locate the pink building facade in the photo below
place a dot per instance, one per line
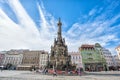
(1, 59)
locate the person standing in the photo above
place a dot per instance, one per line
(54, 73)
(2, 68)
(79, 72)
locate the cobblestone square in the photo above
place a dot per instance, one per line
(27, 75)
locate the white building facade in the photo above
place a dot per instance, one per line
(118, 51)
(76, 59)
(13, 57)
(43, 59)
(117, 62)
(109, 58)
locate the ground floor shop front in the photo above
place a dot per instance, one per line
(95, 67)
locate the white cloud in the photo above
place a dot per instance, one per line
(96, 30)
(91, 32)
(92, 12)
(46, 27)
(25, 34)
(24, 19)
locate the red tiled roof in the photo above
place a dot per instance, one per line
(86, 45)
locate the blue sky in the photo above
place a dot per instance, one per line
(32, 24)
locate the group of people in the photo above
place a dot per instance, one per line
(69, 72)
(44, 71)
(55, 72)
(78, 71)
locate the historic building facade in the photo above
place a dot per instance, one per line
(92, 57)
(43, 60)
(109, 59)
(59, 58)
(1, 59)
(117, 62)
(31, 59)
(76, 59)
(13, 58)
(118, 51)
(2, 56)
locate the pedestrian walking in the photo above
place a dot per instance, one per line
(79, 72)
(46, 71)
(2, 68)
(54, 73)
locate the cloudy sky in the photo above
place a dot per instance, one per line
(32, 24)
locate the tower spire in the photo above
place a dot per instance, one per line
(59, 34)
